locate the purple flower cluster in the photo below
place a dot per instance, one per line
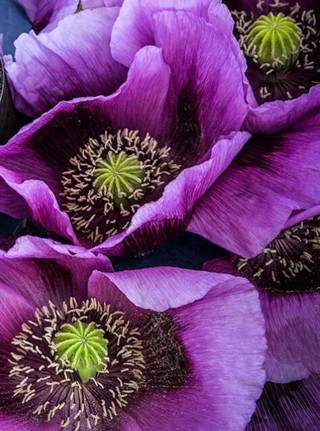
(145, 119)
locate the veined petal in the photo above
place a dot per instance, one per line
(218, 387)
(292, 406)
(72, 60)
(272, 176)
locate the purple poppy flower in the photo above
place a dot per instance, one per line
(72, 59)
(152, 343)
(286, 274)
(274, 174)
(292, 406)
(162, 129)
(281, 41)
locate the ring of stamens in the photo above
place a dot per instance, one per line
(110, 178)
(46, 378)
(282, 64)
(52, 378)
(289, 263)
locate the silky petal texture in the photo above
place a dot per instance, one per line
(171, 29)
(294, 407)
(161, 288)
(275, 116)
(273, 176)
(153, 111)
(11, 203)
(47, 13)
(44, 269)
(292, 330)
(15, 308)
(14, 423)
(94, 4)
(302, 215)
(134, 27)
(214, 82)
(139, 24)
(226, 375)
(293, 334)
(72, 60)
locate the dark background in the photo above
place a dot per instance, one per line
(188, 251)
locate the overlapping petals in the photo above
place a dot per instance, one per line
(185, 106)
(71, 60)
(291, 308)
(218, 385)
(47, 13)
(274, 175)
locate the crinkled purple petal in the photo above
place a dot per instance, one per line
(293, 334)
(299, 216)
(292, 330)
(273, 176)
(15, 308)
(161, 288)
(94, 4)
(221, 389)
(44, 269)
(47, 13)
(275, 116)
(221, 99)
(72, 60)
(221, 265)
(134, 27)
(11, 203)
(293, 406)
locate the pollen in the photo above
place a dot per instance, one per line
(111, 178)
(289, 264)
(81, 362)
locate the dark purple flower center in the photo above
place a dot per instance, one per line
(110, 178)
(282, 49)
(82, 364)
(290, 263)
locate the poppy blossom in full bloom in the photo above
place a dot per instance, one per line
(84, 348)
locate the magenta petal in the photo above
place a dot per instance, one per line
(11, 203)
(134, 28)
(292, 329)
(15, 309)
(94, 4)
(70, 61)
(274, 116)
(252, 200)
(221, 389)
(162, 288)
(43, 269)
(48, 12)
(293, 406)
(293, 334)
